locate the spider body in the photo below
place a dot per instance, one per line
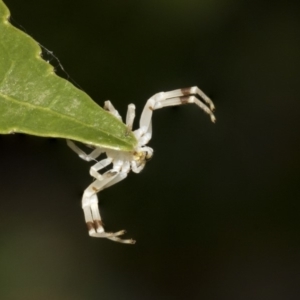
(123, 161)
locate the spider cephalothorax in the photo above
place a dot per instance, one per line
(123, 162)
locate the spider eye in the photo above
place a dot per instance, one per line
(142, 156)
(148, 155)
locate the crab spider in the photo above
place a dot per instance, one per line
(123, 162)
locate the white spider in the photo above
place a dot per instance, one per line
(122, 162)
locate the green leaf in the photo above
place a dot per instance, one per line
(34, 100)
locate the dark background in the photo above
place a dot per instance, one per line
(216, 212)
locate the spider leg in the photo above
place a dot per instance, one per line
(144, 137)
(91, 209)
(173, 98)
(185, 100)
(130, 116)
(109, 107)
(95, 226)
(115, 180)
(88, 157)
(98, 166)
(189, 92)
(121, 174)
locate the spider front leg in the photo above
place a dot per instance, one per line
(173, 98)
(91, 209)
